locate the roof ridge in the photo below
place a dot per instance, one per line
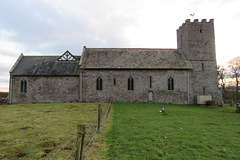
(139, 48)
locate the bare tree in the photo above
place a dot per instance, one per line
(221, 78)
(234, 65)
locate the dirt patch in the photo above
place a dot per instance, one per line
(25, 128)
(48, 111)
(21, 155)
(238, 132)
(66, 148)
(211, 124)
(47, 150)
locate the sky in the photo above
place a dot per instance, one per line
(50, 27)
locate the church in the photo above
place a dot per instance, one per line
(186, 75)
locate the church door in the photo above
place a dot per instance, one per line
(150, 96)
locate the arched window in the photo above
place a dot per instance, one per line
(170, 83)
(99, 83)
(130, 83)
(23, 86)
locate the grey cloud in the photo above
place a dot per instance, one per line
(40, 27)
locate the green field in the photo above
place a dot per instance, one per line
(132, 131)
(140, 131)
(34, 131)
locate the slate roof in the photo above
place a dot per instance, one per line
(45, 65)
(133, 58)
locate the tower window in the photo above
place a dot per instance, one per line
(130, 83)
(200, 30)
(23, 86)
(203, 67)
(114, 81)
(170, 83)
(99, 83)
(204, 91)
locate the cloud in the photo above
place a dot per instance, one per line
(8, 47)
(103, 23)
(50, 27)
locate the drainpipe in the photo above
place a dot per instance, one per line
(188, 87)
(10, 89)
(81, 72)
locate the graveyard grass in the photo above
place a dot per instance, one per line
(132, 131)
(37, 131)
(140, 131)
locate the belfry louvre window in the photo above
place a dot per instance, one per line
(130, 83)
(170, 83)
(99, 83)
(23, 86)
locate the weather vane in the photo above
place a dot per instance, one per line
(192, 15)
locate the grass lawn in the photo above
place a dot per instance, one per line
(140, 131)
(34, 131)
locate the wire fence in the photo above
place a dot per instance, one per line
(92, 131)
(78, 147)
(69, 146)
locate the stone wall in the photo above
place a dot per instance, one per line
(120, 92)
(197, 40)
(46, 89)
(204, 75)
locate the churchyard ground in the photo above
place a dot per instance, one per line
(140, 131)
(37, 131)
(132, 131)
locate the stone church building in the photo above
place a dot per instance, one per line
(178, 76)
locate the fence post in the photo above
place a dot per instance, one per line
(80, 141)
(108, 110)
(99, 117)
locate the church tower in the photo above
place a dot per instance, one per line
(197, 41)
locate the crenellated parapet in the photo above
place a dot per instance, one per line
(195, 21)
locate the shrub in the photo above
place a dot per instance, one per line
(210, 103)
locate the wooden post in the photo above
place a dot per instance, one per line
(80, 141)
(99, 117)
(108, 110)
